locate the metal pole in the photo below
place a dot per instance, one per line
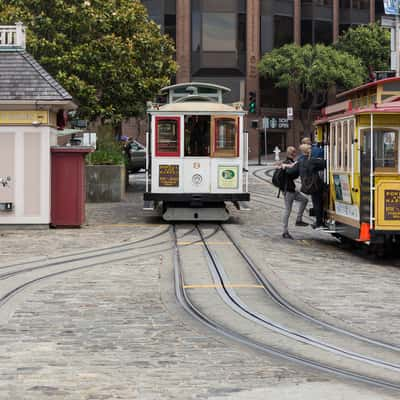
(147, 160)
(397, 40)
(371, 174)
(246, 159)
(265, 145)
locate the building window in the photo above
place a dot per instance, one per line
(315, 31)
(283, 30)
(170, 26)
(272, 96)
(360, 4)
(323, 32)
(219, 32)
(218, 38)
(343, 28)
(306, 32)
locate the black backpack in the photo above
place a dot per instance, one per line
(311, 184)
(279, 179)
(310, 181)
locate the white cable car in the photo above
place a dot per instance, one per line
(197, 154)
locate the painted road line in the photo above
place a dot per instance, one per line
(201, 244)
(127, 225)
(233, 286)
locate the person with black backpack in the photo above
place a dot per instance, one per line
(311, 183)
(291, 194)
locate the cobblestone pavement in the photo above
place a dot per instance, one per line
(115, 331)
(342, 282)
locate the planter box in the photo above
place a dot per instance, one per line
(105, 183)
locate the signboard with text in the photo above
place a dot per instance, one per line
(275, 123)
(168, 175)
(391, 7)
(228, 177)
(342, 188)
(392, 205)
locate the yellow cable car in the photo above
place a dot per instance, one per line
(361, 136)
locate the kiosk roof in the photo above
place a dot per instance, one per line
(23, 79)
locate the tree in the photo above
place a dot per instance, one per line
(311, 71)
(106, 53)
(371, 43)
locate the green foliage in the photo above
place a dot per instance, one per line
(311, 71)
(311, 68)
(108, 152)
(106, 53)
(370, 43)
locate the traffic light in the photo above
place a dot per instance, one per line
(252, 102)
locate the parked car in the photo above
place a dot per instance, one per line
(136, 154)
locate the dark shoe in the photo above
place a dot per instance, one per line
(319, 227)
(287, 235)
(301, 223)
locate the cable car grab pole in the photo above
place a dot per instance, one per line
(397, 40)
(371, 173)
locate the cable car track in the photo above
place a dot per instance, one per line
(118, 246)
(185, 301)
(4, 298)
(281, 300)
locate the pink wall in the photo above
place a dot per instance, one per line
(7, 154)
(32, 176)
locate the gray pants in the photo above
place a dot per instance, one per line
(290, 197)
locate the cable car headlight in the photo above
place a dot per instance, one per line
(197, 179)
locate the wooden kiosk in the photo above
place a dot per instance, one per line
(29, 102)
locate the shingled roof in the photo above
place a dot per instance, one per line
(23, 79)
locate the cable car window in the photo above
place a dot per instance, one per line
(386, 142)
(385, 151)
(351, 134)
(225, 137)
(345, 145)
(339, 145)
(167, 136)
(332, 146)
(197, 136)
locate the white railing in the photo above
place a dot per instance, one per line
(12, 36)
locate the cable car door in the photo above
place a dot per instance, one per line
(196, 163)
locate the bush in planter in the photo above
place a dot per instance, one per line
(108, 153)
(105, 173)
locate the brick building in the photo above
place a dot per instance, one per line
(222, 41)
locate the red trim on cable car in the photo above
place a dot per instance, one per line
(169, 154)
(237, 136)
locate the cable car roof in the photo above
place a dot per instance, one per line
(383, 108)
(183, 91)
(198, 84)
(368, 85)
(203, 107)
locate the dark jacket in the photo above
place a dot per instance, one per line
(306, 167)
(290, 185)
(317, 151)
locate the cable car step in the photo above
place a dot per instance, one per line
(196, 214)
(148, 205)
(242, 205)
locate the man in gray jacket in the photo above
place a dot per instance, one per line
(291, 195)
